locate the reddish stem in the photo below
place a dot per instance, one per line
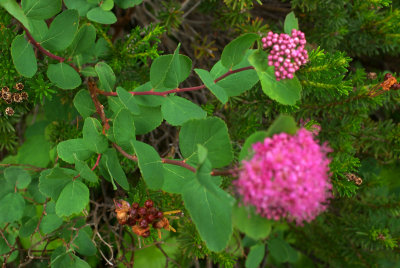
(44, 51)
(176, 90)
(97, 162)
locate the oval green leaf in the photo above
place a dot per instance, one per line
(23, 56)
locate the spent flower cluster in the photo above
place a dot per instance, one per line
(287, 53)
(288, 176)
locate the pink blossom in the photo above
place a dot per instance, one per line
(289, 48)
(288, 176)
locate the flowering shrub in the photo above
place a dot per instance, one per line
(288, 176)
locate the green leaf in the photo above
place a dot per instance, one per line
(16, 11)
(62, 31)
(255, 256)
(257, 136)
(4, 248)
(127, 3)
(107, 5)
(291, 22)
(210, 208)
(148, 100)
(60, 258)
(285, 91)
(102, 48)
(73, 199)
(82, 6)
(28, 227)
(33, 190)
(109, 160)
(128, 100)
(124, 130)
(148, 119)
(18, 177)
(237, 83)
(284, 123)
(67, 149)
(92, 137)
(50, 223)
(84, 104)
(251, 224)
(168, 71)
(99, 15)
(11, 207)
(63, 75)
(234, 52)
(208, 80)
(41, 9)
(85, 171)
(23, 56)
(89, 71)
(281, 251)
(177, 110)
(39, 30)
(259, 60)
(34, 151)
(52, 181)
(106, 76)
(175, 178)
(84, 245)
(84, 39)
(150, 165)
(212, 133)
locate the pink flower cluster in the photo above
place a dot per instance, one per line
(287, 53)
(288, 176)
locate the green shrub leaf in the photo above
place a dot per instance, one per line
(84, 170)
(150, 165)
(255, 256)
(50, 222)
(52, 181)
(124, 130)
(73, 199)
(18, 177)
(11, 207)
(92, 137)
(177, 110)
(235, 51)
(109, 161)
(148, 119)
(63, 75)
(285, 91)
(175, 177)
(41, 9)
(251, 224)
(84, 104)
(127, 3)
(208, 80)
(16, 11)
(99, 15)
(106, 76)
(212, 133)
(84, 39)
(291, 22)
(67, 149)
(128, 100)
(23, 56)
(62, 31)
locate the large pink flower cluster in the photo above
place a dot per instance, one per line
(287, 53)
(288, 176)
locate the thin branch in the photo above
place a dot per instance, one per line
(176, 90)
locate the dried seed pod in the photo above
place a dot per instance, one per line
(24, 95)
(5, 89)
(387, 76)
(19, 86)
(140, 231)
(16, 97)
(372, 75)
(122, 209)
(388, 83)
(143, 223)
(9, 111)
(6, 95)
(352, 177)
(142, 211)
(135, 205)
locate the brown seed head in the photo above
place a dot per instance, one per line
(19, 86)
(5, 95)
(5, 89)
(24, 95)
(16, 97)
(9, 111)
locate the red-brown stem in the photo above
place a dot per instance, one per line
(176, 90)
(180, 163)
(97, 162)
(44, 51)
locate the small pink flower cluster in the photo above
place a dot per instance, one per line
(288, 176)
(287, 53)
